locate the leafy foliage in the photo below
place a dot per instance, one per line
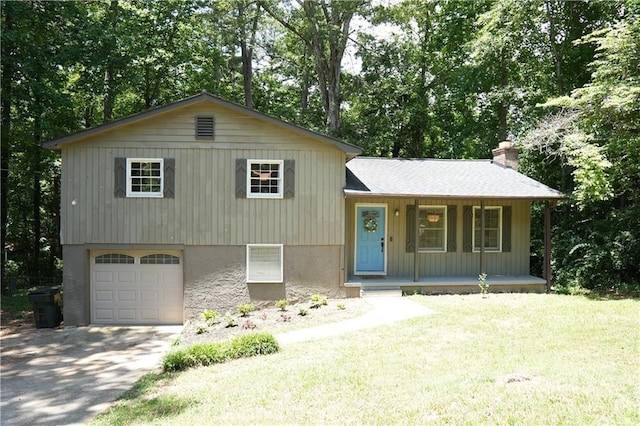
(438, 79)
(202, 354)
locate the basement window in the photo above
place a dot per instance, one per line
(264, 263)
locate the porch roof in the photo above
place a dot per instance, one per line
(431, 178)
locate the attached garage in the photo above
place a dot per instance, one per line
(136, 287)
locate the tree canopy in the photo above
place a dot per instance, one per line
(432, 78)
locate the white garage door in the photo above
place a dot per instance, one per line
(133, 287)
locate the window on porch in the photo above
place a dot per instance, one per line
(433, 228)
(492, 228)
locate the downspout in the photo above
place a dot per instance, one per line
(482, 237)
(416, 239)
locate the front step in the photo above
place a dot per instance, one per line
(387, 291)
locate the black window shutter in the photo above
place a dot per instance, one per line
(452, 217)
(506, 229)
(467, 229)
(241, 178)
(289, 178)
(205, 127)
(169, 178)
(120, 177)
(411, 232)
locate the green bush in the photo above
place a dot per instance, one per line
(245, 309)
(199, 354)
(303, 312)
(210, 317)
(318, 300)
(282, 304)
(253, 344)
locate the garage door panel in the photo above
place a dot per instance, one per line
(149, 297)
(103, 276)
(150, 277)
(104, 314)
(126, 296)
(132, 293)
(170, 276)
(149, 314)
(128, 315)
(125, 276)
(103, 295)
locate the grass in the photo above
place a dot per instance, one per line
(16, 306)
(508, 359)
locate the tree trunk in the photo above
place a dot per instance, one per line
(108, 90)
(305, 83)
(503, 107)
(246, 50)
(36, 166)
(553, 34)
(5, 116)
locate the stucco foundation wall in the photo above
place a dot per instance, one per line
(75, 296)
(215, 277)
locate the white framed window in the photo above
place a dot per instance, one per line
(264, 263)
(145, 177)
(492, 228)
(432, 226)
(265, 178)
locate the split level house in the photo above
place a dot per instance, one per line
(206, 204)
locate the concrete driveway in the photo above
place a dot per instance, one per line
(69, 375)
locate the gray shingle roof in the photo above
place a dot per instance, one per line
(396, 177)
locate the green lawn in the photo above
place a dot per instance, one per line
(508, 359)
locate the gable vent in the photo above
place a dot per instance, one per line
(204, 127)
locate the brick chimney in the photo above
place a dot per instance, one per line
(507, 155)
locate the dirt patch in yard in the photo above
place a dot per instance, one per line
(14, 322)
(271, 319)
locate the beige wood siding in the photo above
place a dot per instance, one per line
(204, 210)
(400, 263)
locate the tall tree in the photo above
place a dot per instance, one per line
(323, 26)
(598, 139)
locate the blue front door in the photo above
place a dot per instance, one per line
(370, 239)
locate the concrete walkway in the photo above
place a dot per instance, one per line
(68, 376)
(386, 310)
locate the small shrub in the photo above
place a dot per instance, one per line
(282, 304)
(484, 287)
(231, 322)
(214, 353)
(195, 355)
(252, 344)
(284, 317)
(210, 317)
(249, 325)
(303, 312)
(318, 300)
(245, 309)
(341, 306)
(201, 328)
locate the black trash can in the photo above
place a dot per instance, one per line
(46, 307)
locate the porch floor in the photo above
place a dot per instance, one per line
(364, 282)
